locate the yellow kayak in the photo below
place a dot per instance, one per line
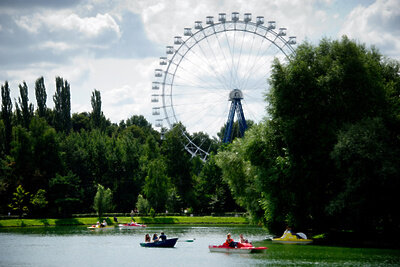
(289, 238)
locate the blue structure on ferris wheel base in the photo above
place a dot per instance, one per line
(235, 97)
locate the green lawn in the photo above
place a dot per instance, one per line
(144, 220)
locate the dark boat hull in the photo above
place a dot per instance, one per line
(169, 243)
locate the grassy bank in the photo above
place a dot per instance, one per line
(143, 220)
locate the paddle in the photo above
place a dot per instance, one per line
(187, 240)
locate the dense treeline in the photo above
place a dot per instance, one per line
(329, 156)
(53, 164)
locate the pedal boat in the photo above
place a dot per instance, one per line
(292, 239)
(245, 248)
(130, 225)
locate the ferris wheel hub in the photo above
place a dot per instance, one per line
(235, 94)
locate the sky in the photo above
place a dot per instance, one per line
(114, 46)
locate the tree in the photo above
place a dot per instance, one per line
(65, 193)
(20, 201)
(212, 192)
(62, 105)
(102, 200)
(156, 185)
(6, 115)
(24, 106)
(80, 121)
(96, 115)
(178, 165)
(285, 167)
(312, 98)
(39, 201)
(142, 204)
(368, 161)
(41, 97)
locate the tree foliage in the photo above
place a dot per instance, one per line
(41, 97)
(102, 200)
(20, 201)
(331, 140)
(6, 115)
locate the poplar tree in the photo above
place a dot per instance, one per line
(6, 115)
(41, 97)
(25, 109)
(62, 105)
(97, 114)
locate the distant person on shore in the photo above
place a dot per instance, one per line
(163, 237)
(147, 238)
(115, 219)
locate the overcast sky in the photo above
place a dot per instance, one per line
(114, 46)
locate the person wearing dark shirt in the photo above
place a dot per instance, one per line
(155, 238)
(163, 237)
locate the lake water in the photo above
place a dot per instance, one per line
(78, 246)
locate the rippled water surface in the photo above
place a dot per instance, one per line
(78, 246)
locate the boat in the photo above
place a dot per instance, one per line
(130, 225)
(169, 243)
(241, 249)
(288, 238)
(98, 227)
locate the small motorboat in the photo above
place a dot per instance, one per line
(169, 243)
(245, 248)
(288, 238)
(130, 225)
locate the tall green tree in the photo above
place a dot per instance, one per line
(6, 115)
(20, 201)
(62, 105)
(287, 162)
(24, 106)
(41, 97)
(102, 200)
(157, 185)
(178, 165)
(97, 114)
(65, 193)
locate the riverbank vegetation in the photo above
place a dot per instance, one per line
(327, 158)
(141, 220)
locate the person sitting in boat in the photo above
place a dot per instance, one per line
(155, 238)
(230, 242)
(104, 224)
(163, 237)
(287, 232)
(132, 222)
(242, 239)
(147, 238)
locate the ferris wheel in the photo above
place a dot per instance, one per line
(216, 70)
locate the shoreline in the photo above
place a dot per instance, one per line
(141, 220)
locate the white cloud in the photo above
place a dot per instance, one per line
(90, 26)
(87, 27)
(56, 46)
(377, 24)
